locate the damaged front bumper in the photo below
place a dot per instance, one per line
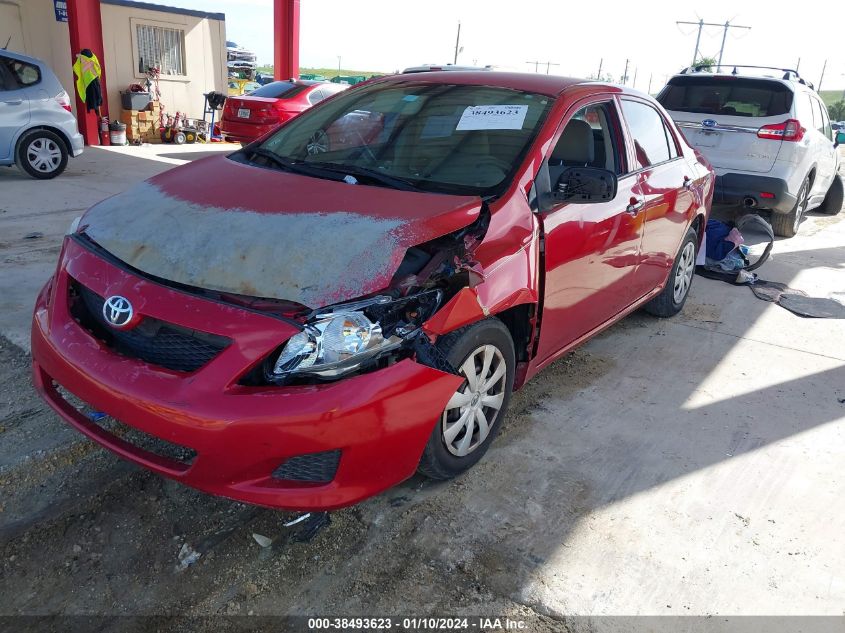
(241, 439)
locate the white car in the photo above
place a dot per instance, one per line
(769, 139)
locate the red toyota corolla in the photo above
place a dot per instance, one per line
(253, 115)
(394, 262)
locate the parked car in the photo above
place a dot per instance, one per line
(769, 140)
(37, 128)
(352, 313)
(251, 116)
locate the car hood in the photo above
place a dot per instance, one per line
(223, 225)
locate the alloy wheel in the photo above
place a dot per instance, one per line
(44, 155)
(318, 143)
(474, 408)
(803, 203)
(684, 272)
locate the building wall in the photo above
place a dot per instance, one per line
(36, 32)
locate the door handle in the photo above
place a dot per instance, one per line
(635, 206)
(687, 182)
(13, 102)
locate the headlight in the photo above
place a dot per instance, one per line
(339, 339)
(333, 344)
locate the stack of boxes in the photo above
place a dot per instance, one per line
(143, 125)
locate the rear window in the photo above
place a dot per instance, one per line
(726, 95)
(278, 90)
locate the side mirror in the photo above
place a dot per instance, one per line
(583, 185)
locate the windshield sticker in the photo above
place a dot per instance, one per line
(493, 117)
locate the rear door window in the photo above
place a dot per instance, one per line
(822, 122)
(653, 142)
(727, 95)
(22, 74)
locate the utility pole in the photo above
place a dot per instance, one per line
(625, 74)
(701, 24)
(636, 70)
(821, 79)
(457, 43)
(537, 65)
(338, 64)
(798, 65)
(601, 63)
(650, 77)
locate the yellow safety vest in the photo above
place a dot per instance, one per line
(86, 69)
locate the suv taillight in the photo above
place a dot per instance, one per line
(63, 100)
(789, 130)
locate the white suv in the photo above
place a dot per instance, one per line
(769, 140)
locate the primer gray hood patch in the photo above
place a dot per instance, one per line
(309, 256)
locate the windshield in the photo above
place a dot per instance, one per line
(431, 137)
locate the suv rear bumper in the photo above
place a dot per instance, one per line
(733, 189)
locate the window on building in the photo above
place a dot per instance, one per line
(162, 48)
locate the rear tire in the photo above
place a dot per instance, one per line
(786, 224)
(835, 197)
(483, 354)
(42, 154)
(671, 299)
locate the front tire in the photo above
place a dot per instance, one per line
(42, 154)
(834, 199)
(484, 356)
(671, 299)
(786, 224)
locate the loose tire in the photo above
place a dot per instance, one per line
(42, 154)
(835, 197)
(671, 299)
(483, 354)
(786, 224)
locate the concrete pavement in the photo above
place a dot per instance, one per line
(689, 466)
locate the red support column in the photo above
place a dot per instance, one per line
(286, 39)
(86, 31)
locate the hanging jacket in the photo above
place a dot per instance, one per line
(86, 69)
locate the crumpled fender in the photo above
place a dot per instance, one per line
(506, 262)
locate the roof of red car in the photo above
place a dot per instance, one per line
(550, 85)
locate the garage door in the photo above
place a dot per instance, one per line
(10, 26)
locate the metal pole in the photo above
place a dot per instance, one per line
(722, 49)
(798, 65)
(457, 42)
(601, 63)
(821, 79)
(338, 64)
(636, 70)
(697, 42)
(625, 74)
(650, 77)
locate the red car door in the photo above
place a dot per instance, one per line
(591, 250)
(666, 182)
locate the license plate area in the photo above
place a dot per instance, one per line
(707, 139)
(243, 113)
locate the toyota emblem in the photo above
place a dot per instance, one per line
(117, 311)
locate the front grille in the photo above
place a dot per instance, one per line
(153, 341)
(313, 467)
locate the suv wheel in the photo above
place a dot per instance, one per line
(42, 154)
(484, 355)
(786, 224)
(833, 200)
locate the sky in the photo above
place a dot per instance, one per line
(388, 35)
